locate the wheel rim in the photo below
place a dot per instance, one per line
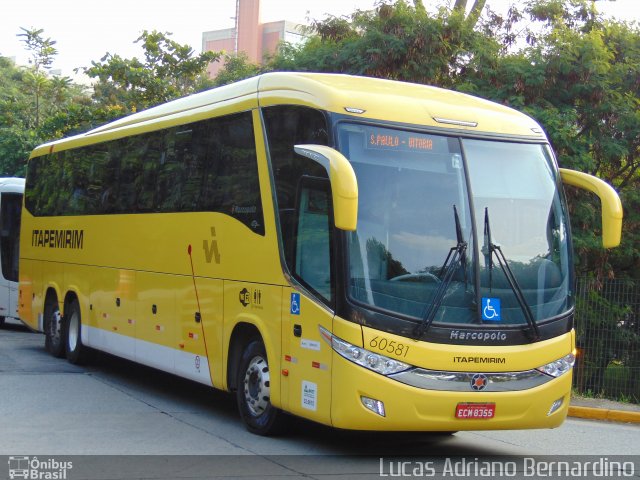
(74, 331)
(256, 386)
(55, 327)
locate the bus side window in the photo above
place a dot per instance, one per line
(313, 222)
(10, 211)
(286, 126)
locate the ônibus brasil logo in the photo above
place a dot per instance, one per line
(37, 469)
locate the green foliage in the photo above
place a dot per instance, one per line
(397, 41)
(42, 49)
(237, 67)
(35, 81)
(34, 106)
(15, 145)
(580, 78)
(623, 382)
(169, 70)
(608, 341)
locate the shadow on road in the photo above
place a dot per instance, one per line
(312, 436)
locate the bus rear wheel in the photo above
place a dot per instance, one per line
(75, 350)
(253, 392)
(53, 342)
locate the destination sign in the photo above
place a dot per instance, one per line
(387, 139)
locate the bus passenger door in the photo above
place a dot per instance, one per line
(307, 357)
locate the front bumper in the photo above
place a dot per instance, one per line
(409, 408)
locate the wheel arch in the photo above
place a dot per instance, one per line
(69, 297)
(243, 333)
(52, 289)
(52, 292)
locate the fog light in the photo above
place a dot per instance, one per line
(555, 406)
(376, 406)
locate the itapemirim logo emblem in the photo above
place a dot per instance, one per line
(479, 382)
(35, 469)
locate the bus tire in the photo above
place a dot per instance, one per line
(53, 341)
(1, 321)
(253, 392)
(75, 350)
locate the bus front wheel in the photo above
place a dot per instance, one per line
(53, 327)
(253, 392)
(76, 351)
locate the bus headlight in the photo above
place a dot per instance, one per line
(365, 358)
(559, 367)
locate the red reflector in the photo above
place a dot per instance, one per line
(315, 364)
(475, 411)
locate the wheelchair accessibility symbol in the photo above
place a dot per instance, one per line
(491, 309)
(295, 304)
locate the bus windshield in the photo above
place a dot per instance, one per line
(436, 212)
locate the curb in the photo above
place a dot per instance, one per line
(604, 414)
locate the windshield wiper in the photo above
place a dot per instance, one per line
(489, 249)
(457, 255)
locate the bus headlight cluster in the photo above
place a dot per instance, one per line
(559, 367)
(365, 358)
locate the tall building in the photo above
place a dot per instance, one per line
(250, 35)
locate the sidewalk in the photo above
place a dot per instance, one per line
(603, 409)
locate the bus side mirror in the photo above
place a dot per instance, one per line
(611, 205)
(344, 186)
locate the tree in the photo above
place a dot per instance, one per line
(237, 67)
(397, 41)
(579, 76)
(42, 52)
(34, 106)
(42, 49)
(474, 13)
(169, 70)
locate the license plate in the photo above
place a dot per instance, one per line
(475, 411)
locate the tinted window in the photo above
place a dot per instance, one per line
(10, 209)
(287, 126)
(313, 236)
(202, 166)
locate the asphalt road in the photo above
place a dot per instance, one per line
(115, 407)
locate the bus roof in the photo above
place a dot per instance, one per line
(360, 97)
(15, 184)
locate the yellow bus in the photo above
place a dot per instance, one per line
(363, 253)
